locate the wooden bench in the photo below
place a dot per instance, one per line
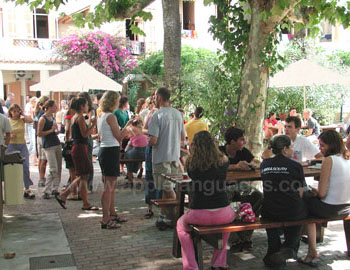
(213, 234)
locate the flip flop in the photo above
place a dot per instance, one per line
(60, 201)
(315, 262)
(90, 208)
(110, 225)
(119, 219)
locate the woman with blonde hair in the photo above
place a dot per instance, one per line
(207, 167)
(18, 143)
(38, 112)
(108, 157)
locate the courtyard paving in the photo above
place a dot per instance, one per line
(40, 228)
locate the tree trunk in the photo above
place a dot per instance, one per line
(252, 100)
(172, 44)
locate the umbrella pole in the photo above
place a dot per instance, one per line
(304, 97)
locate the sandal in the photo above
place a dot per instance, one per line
(149, 214)
(90, 208)
(315, 262)
(72, 197)
(28, 194)
(110, 225)
(118, 219)
(60, 201)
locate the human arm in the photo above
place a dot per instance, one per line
(41, 131)
(7, 138)
(153, 131)
(113, 123)
(26, 118)
(326, 168)
(242, 165)
(84, 130)
(68, 129)
(348, 142)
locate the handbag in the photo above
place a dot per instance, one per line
(66, 151)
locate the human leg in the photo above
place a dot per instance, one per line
(203, 217)
(106, 197)
(52, 175)
(58, 154)
(91, 174)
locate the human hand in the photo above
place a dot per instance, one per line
(13, 136)
(243, 165)
(94, 121)
(314, 191)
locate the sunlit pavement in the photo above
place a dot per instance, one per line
(34, 229)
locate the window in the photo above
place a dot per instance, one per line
(326, 32)
(40, 23)
(129, 33)
(188, 18)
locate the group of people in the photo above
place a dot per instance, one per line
(157, 132)
(274, 125)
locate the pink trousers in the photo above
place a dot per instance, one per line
(202, 217)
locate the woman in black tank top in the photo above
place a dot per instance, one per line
(79, 152)
(47, 131)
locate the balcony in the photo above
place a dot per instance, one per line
(26, 50)
(136, 47)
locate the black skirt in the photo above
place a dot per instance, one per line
(108, 157)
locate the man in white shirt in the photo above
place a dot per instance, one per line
(166, 135)
(5, 129)
(303, 148)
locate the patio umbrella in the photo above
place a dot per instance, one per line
(79, 78)
(306, 73)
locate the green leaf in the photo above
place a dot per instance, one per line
(136, 30)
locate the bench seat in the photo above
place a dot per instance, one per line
(213, 234)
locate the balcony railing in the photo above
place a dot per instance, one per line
(136, 47)
(40, 43)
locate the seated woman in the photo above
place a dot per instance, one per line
(331, 198)
(135, 149)
(283, 178)
(270, 126)
(207, 166)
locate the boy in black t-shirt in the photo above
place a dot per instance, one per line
(241, 159)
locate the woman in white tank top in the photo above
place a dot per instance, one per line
(332, 197)
(108, 157)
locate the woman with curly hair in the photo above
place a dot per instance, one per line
(108, 157)
(207, 167)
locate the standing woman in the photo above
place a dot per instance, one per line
(150, 190)
(90, 114)
(82, 165)
(68, 145)
(17, 143)
(207, 166)
(38, 112)
(108, 157)
(47, 130)
(332, 197)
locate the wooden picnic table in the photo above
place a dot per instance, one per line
(231, 178)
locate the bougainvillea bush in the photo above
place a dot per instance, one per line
(104, 52)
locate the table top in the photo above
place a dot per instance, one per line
(236, 176)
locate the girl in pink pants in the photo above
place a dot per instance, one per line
(207, 167)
